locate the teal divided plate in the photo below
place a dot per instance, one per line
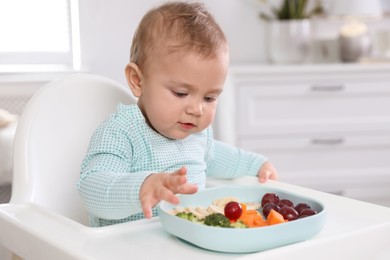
(237, 240)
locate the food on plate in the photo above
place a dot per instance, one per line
(188, 216)
(275, 217)
(301, 206)
(307, 212)
(285, 202)
(268, 207)
(229, 212)
(289, 213)
(269, 197)
(217, 220)
(251, 217)
(233, 210)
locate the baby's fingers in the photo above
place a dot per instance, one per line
(187, 188)
(147, 210)
(268, 174)
(265, 175)
(176, 179)
(168, 196)
(148, 202)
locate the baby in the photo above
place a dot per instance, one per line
(164, 145)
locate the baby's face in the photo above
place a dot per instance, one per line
(180, 92)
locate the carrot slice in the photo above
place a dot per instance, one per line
(251, 211)
(252, 218)
(275, 217)
(243, 207)
(259, 221)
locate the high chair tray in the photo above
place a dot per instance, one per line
(353, 230)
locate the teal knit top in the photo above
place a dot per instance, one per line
(124, 150)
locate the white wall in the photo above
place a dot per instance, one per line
(107, 28)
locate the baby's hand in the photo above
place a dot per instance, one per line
(164, 186)
(266, 172)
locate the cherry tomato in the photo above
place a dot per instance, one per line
(233, 210)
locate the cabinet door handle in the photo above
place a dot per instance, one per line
(327, 88)
(327, 141)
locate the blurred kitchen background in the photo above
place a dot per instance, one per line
(309, 89)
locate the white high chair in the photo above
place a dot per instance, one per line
(51, 140)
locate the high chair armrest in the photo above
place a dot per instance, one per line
(34, 232)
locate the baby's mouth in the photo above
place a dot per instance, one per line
(187, 126)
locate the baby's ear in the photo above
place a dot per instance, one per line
(134, 76)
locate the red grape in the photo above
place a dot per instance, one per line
(285, 207)
(289, 213)
(307, 212)
(268, 207)
(301, 206)
(285, 202)
(233, 210)
(269, 197)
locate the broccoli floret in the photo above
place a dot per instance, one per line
(238, 224)
(188, 216)
(192, 217)
(182, 215)
(217, 220)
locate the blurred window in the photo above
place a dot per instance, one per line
(38, 34)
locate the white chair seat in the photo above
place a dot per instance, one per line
(51, 140)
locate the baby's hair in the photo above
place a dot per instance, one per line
(177, 26)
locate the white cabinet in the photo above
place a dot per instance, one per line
(323, 126)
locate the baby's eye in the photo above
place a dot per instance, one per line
(210, 99)
(179, 94)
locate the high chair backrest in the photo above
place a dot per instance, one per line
(53, 136)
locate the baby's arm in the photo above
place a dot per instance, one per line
(107, 188)
(108, 185)
(164, 186)
(227, 161)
